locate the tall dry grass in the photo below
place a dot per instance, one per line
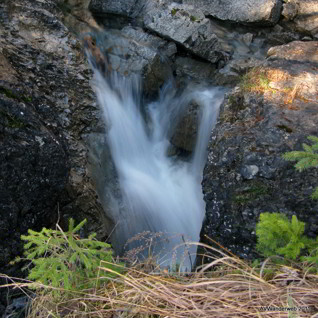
(225, 287)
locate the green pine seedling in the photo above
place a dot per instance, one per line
(312, 258)
(64, 260)
(306, 159)
(276, 235)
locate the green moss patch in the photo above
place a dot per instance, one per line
(10, 94)
(251, 193)
(174, 11)
(12, 121)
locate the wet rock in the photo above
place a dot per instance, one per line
(165, 48)
(186, 132)
(232, 72)
(196, 70)
(243, 11)
(133, 51)
(260, 120)
(248, 38)
(188, 27)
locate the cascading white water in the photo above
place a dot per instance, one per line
(159, 193)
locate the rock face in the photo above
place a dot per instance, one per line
(188, 27)
(271, 113)
(302, 16)
(46, 109)
(34, 170)
(264, 12)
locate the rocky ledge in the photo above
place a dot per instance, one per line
(272, 111)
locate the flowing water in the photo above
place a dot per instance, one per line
(160, 193)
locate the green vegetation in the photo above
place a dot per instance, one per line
(72, 266)
(255, 80)
(278, 236)
(251, 193)
(174, 11)
(275, 233)
(306, 159)
(193, 18)
(232, 289)
(26, 99)
(10, 94)
(64, 260)
(12, 121)
(150, 292)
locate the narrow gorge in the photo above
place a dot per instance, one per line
(148, 116)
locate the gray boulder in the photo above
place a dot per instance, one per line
(263, 12)
(188, 27)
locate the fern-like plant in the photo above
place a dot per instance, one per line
(306, 159)
(63, 259)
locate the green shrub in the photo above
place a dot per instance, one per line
(63, 259)
(276, 235)
(306, 159)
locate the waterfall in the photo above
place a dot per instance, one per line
(160, 193)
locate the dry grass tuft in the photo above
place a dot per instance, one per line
(226, 287)
(256, 80)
